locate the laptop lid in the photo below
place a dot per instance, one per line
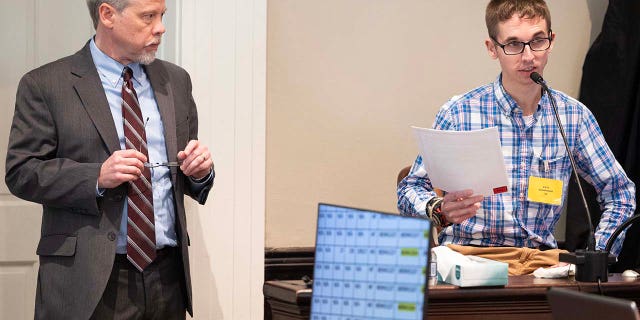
(570, 304)
(369, 265)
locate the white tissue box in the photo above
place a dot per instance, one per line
(476, 271)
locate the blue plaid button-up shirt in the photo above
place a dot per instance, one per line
(530, 148)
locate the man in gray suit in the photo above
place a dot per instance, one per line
(114, 234)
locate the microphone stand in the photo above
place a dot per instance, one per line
(619, 230)
(591, 264)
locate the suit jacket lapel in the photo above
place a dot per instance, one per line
(164, 97)
(91, 93)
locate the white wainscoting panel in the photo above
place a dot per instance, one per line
(223, 46)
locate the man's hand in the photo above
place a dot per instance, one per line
(196, 160)
(458, 206)
(122, 166)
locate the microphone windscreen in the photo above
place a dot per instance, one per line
(536, 77)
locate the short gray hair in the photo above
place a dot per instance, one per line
(94, 6)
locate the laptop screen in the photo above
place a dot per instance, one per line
(369, 265)
(569, 305)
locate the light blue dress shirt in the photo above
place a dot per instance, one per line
(110, 72)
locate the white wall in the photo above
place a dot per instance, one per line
(346, 79)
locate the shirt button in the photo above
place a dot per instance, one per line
(111, 236)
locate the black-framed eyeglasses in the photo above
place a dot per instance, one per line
(517, 47)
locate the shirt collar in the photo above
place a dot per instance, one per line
(111, 70)
(507, 104)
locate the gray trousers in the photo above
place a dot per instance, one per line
(156, 293)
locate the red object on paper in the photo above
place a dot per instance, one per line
(499, 189)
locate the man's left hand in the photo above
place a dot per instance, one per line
(196, 160)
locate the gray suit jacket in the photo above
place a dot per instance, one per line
(61, 134)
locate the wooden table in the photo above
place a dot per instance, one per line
(523, 298)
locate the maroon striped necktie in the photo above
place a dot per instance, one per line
(141, 235)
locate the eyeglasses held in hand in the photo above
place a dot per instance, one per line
(163, 164)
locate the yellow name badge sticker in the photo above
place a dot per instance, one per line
(544, 190)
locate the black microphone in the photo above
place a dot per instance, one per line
(537, 78)
(591, 265)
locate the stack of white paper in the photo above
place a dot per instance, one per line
(459, 160)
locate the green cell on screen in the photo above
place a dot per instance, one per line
(407, 307)
(411, 252)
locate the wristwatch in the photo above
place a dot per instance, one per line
(434, 212)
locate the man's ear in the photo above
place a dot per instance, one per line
(491, 48)
(106, 15)
(553, 41)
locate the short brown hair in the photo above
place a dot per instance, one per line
(502, 10)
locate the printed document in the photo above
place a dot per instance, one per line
(459, 160)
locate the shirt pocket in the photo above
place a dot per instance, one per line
(554, 167)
